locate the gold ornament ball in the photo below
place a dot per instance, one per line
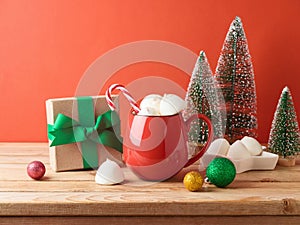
(193, 181)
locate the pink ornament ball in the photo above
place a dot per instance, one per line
(36, 170)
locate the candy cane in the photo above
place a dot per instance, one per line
(125, 92)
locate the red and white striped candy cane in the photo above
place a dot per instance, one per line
(125, 92)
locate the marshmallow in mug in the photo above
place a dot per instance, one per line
(156, 105)
(150, 105)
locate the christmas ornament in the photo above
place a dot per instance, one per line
(235, 77)
(193, 181)
(204, 97)
(238, 151)
(36, 170)
(109, 173)
(221, 172)
(252, 145)
(284, 137)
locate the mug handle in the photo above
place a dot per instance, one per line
(209, 139)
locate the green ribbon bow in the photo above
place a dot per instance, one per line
(105, 131)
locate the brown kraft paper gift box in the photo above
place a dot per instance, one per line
(68, 156)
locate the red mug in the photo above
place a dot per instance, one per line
(156, 147)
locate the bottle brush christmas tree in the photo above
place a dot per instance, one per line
(284, 138)
(235, 77)
(203, 97)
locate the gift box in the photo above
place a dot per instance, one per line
(83, 132)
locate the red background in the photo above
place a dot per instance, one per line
(46, 46)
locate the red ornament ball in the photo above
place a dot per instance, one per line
(36, 170)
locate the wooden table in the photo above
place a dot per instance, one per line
(255, 197)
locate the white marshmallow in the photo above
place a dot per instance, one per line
(150, 105)
(238, 151)
(171, 104)
(109, 173)
(148, 112)
(151, 101)
(252, 145)
(219, 146)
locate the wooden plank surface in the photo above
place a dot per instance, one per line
(260, 194)
(174, 220)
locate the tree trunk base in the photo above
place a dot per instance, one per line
(288, 162)
(298, 159)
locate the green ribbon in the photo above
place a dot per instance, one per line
(88, 132)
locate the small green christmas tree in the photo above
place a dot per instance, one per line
(203, 97)
(284, 138)
(235, 76)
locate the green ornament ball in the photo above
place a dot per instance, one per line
(221, 172)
